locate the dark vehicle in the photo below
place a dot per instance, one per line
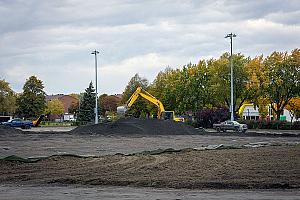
(18, 123)
(230, 125)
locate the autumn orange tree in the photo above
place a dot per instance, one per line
(257, 84)
(283, 79)
(108, 103)
(293, 107)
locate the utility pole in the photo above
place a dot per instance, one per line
(96, 83)
(231, 35)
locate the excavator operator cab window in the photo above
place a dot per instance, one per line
(168, 115)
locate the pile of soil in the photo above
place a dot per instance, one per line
(138, 126)
(9, 130)
(254, 168)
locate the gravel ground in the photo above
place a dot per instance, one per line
(26, 144)
(129, 126)
(26, 192)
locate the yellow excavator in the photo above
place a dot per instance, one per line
(161, 113)
(36, 123)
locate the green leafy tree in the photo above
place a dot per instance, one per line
(220, 80)
(283, 73)
(55, 107)
(199, 88)
(7, 98)
(193, 88)
(31, 103)
(164, 87)
(87, 105)
(141, 105)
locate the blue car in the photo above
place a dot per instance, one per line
(19, 123)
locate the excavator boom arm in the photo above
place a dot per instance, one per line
(155, 102)
(133, 97)
(140, 92)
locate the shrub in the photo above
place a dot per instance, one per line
(296, 125)
(274, 124)
(208, 116)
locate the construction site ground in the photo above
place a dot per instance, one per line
(183, 161)
(45, 143)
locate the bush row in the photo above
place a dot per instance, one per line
(274, 124)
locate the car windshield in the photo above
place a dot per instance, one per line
(235, 122)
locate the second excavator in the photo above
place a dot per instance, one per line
(161, 113)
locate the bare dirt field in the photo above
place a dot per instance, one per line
(25, 144)
(131, 159)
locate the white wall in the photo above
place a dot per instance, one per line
(252, 113)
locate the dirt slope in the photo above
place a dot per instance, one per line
(8, 130)
(257, 168)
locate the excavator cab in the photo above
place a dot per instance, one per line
(168, 115)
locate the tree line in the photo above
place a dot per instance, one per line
(271, 80)
(262, 80)
(32, 102)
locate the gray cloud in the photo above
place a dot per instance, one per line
(53, 39)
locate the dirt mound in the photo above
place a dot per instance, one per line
(138, 126)
(8, 130)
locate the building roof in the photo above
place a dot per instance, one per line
(55, 96)
(118, 95)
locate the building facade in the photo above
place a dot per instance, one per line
(67, 102)
(250, 112)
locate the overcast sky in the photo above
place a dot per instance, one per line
(53, 39)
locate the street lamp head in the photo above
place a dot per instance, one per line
(95, 52)
(230, 35)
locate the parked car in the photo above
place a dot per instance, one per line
(17, 122)
(230, 125)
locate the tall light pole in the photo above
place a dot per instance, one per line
(96, 107)
(231, 35)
